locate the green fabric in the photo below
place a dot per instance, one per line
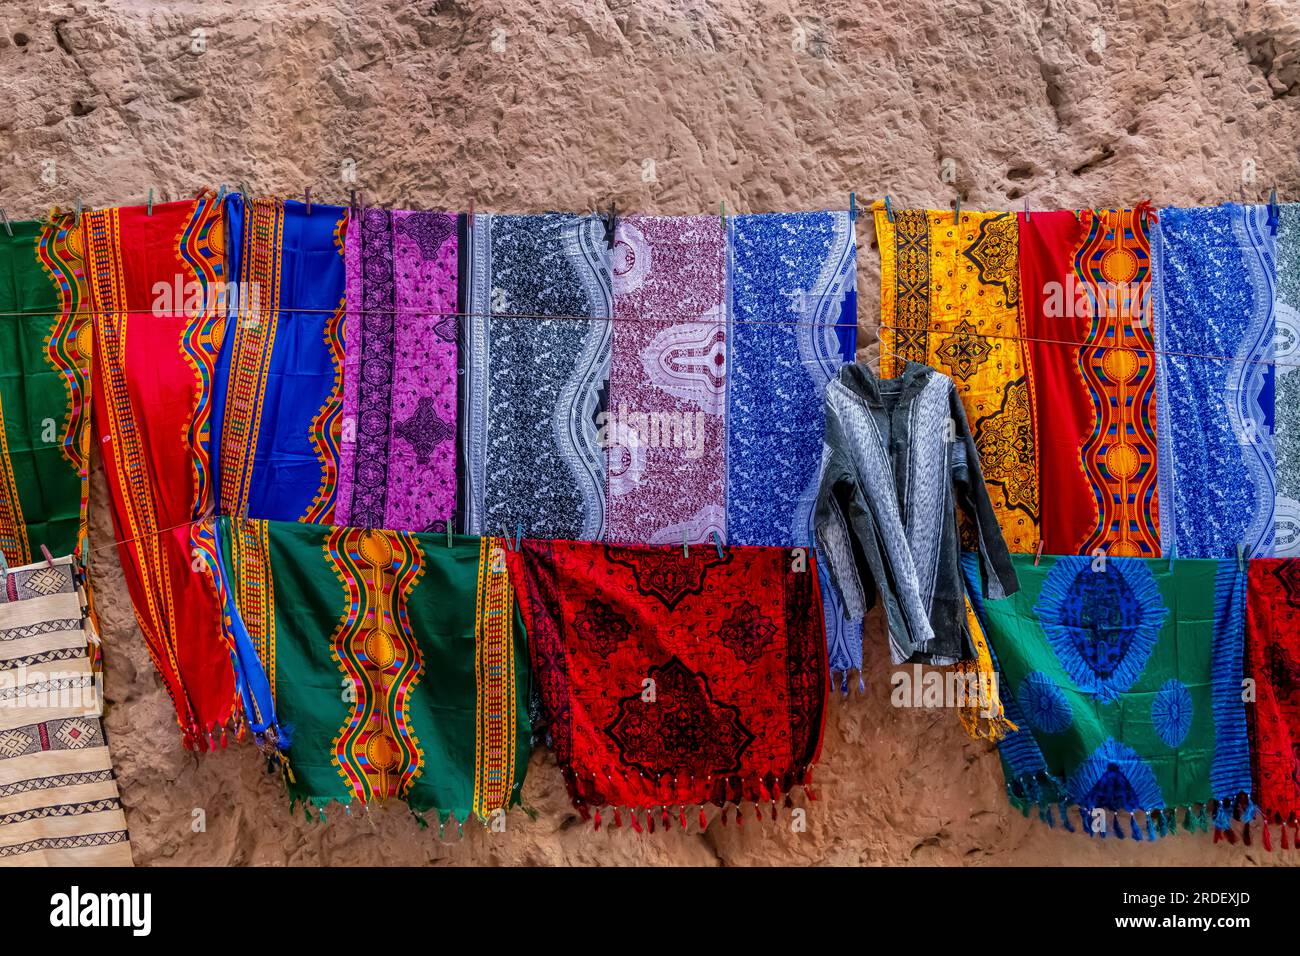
(311, 601)
(34, 399)
(1125, 682)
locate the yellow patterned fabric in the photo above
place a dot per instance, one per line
(949, 298)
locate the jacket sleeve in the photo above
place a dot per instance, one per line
(973, 496)
(840, 549)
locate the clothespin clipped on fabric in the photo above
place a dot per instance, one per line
(151, 200)
(722, 211)
(686, 548)
(5, 220)
(1038, 554)
(449, 532)
(889, 208)
(4, 567)
(1026, 209)
(519, 534)
(46, 551)
(221, 194)
(853, 207)
(610, 225)
(505, 537)
(956, 210)
(717, 540)
(76, 213)
(306, 198)
(1243, 555)
(1274, 211)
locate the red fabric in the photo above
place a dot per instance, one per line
(1048, 241)
(154, 351)
(736, 650)
(1273, 661)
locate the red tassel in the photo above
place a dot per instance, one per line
(223, 738)
(667, 820)
(740, 815)
(1245, 834)
(773, 811)
(704, 821)
(636, 821)
(1286, 839)
(1218, 834)
(1268, 839)
(1231, 835)
(724, 816)
(650, 820)
(597, 818)
(683, 818)
(618, 818)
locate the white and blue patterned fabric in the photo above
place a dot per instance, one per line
(1214, 275)
(791, 323)
(1286, 349)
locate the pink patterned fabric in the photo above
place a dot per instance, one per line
(663, 428)
(398, 459)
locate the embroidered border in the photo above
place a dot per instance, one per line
(376, 751)
(1118, 370)
(494, 672)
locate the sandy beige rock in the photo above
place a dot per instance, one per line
(666, 106)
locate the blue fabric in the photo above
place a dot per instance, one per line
(791, 323)
(295, 454)
(1214, 276)
(1230, 772)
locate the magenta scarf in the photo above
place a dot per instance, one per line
(398, 459)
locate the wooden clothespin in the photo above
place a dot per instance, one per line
(151, 200)
(1038, 554)
(610, 225)
(449, 532)
(717, 540)
(306, 196)
(5, 220)
(1274, 212)
(76, 213)
(889, 208)
(1243, 555)
(221, 194)
(48, 559)
(1026, 209)
(722, 212)
(853, 207)
(4, 567)
(505, 537)
(519, 534)
(352, 200)
(686, 548)
(956, 209)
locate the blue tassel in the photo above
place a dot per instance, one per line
(1133, 827)
(1051, 817)
(1119, 828)
(1151, 827)
(1065, 819)
(1222, 819)
(1085, 821)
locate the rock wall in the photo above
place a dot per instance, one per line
(666, 106)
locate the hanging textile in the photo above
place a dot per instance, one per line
(59, 803)
(1273, 663)
(536, 370)
(1215, 275)
(675, 680)
(791, 323)
(275, 407)
(1124, 678)
(1286, 418)
(423, 638)
(900, 461)
(949, 298)
(1086, 279)
(45, 346)
(663, 431)
(399, 381)
(156, 285)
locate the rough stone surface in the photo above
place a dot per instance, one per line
(565, 105)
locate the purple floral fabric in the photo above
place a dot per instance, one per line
(398, 460)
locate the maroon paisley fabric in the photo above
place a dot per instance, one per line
(674, 680)
(663, 430)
